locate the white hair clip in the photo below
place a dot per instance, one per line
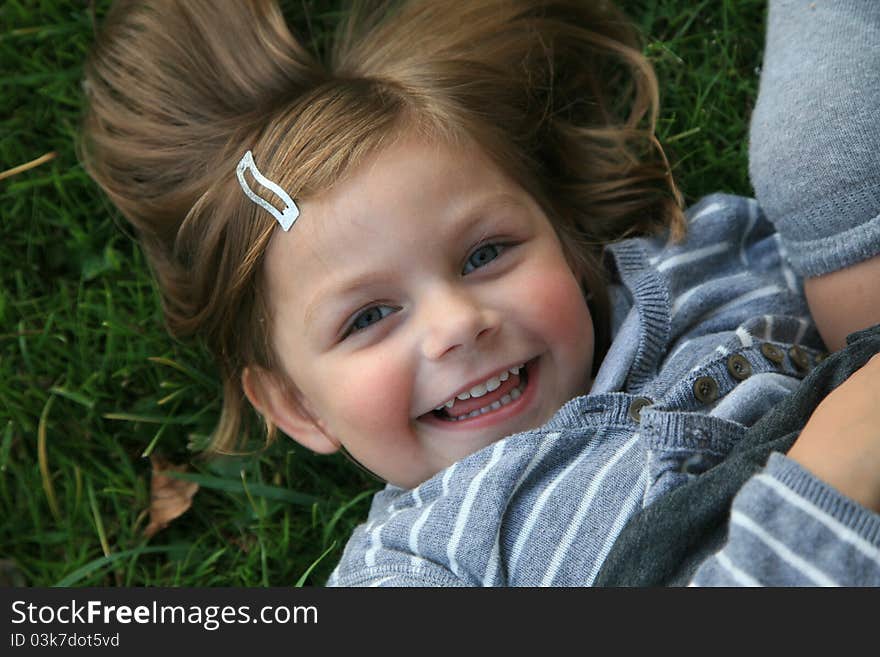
(290, 212)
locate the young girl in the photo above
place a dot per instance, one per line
(414, 252)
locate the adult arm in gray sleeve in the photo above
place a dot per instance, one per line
(814, 153)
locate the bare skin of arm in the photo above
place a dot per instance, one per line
(845, 301)
(840, 443)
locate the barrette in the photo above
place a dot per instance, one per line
(290, 212)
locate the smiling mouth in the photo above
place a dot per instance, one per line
(506, 400)
(508, 392)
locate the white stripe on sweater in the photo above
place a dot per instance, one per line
(765, 291)
(753, 216)
(535, 512)
(691, 256)
(416, 529)
(376, 537)
(802, 328)
(781, 550)
(370, 555)
(583, 507)
(768, 326)
(446, 477)
(671, 357)
(465, 511)
(547, 442)
(628, 508)
(790, 278)
(726, 281)
(414, 536)
(423, 517)
(740, 577)
(707, 211)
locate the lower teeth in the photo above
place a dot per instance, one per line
(513, 395)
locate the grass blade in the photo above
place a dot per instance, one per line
(301, 581)
(86, 570)
(258, 490)
(44, 460)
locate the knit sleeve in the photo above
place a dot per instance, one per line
(814, 151)
(419, 574)
(788, 528)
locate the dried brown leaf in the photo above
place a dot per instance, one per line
(169, 497)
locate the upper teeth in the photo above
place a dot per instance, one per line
(482, 388)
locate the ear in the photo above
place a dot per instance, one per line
(293, 416)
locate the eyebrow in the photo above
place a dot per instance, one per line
(322, 297)
(458, 227)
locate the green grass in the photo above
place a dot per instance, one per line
(90, 383)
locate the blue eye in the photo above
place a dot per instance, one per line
(482, 257)
(369, 316)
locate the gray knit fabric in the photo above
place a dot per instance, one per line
(815, 136)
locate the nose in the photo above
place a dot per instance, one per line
(457, 320)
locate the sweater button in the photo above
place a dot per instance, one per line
(799, 358)
(706, 389)
(739, 367)
(772, 353)
(635, 408)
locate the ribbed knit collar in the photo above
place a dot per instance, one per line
(652, 302)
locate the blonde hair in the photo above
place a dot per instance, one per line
(556, 92)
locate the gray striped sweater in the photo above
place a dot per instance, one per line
(708, 335)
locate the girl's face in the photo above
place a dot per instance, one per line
(413, 283)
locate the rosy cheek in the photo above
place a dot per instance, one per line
(557, 303)
(373, 395)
